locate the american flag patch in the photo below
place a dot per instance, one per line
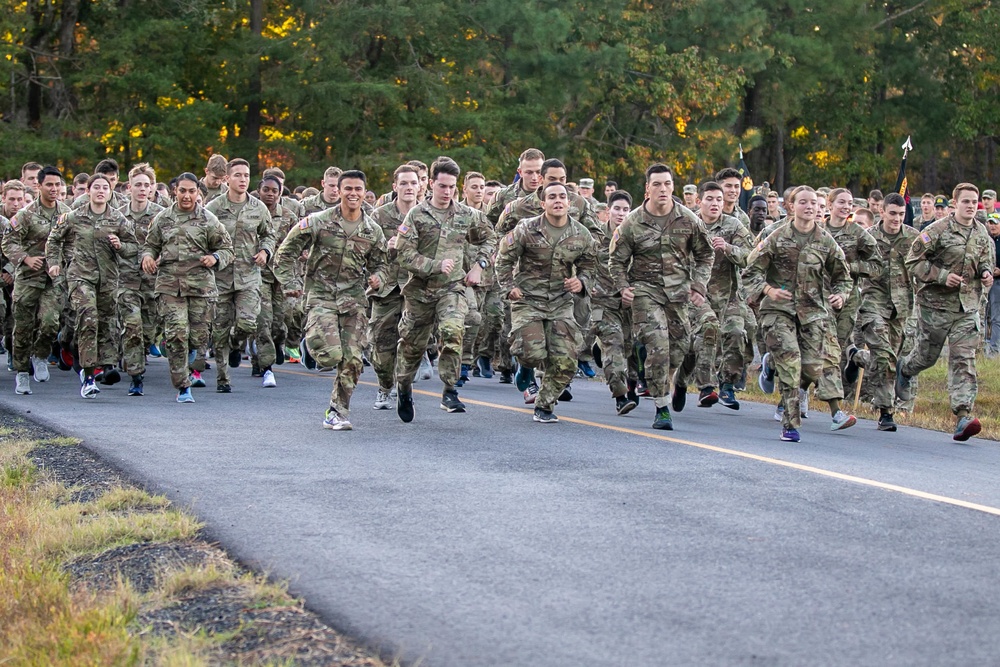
(925, 237)
(510, 238)
(403, 228)
(615, 236)
(304, 223)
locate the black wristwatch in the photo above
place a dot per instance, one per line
(483, 264)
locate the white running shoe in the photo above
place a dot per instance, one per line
(41, 368)
(779, 413)
(268, 380)
(22, 384)
(383, 401)
(426, 371)
(803, 404)
(89, 389)
(335, 422)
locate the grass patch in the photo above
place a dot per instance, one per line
(932, 408)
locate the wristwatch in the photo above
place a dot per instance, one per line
(483, 264)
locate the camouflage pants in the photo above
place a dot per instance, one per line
(36, 311)
(547, 341)
(383, 332)
(720, 340)
(502, 355)
(95, 323)
(753, 335)
(665, 330)
(418, 322)
(295, 319)
(270, 324)
(581, 313)
(135, 309)
(847, 318)
(473, 322)
(700, 360)
(884, 338)
(492, 327)
(962, 333)
(335, 339)
(235, 320)
(185, 327)
(802, 354)
(612, 327)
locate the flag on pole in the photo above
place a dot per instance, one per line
(746, 183)
(902, 186)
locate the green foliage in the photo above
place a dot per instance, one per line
(815, 92)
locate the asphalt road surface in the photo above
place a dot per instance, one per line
(486, 539)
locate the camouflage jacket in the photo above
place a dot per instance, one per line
(860, 249)
(26, 237)
(130, 274)
(316, 203)
(948, 247)
(178, 240)
(531, 206)
(339, 263)
(251, 229)
(295, 206)
(425, 240)
(79, 241)
(389, 219)
(503, 197)
(724, 285)
(889, 293)
(541, 266)
(216, 192)
(740, 215)
(663, 261)
(778, 262)
(282, 219)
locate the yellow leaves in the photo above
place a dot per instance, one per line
(681, 125)
(800, 133)
(135, 132)
(276, 31)
(114, 129)
(223, 134)
(174, 103)
(823, 159)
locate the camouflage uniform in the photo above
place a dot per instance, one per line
(81, 238)
(949, 314)
(664, 260)
(216, 192)
(798, 333)
(720, 323)
(238, 305)
(886, 304)
(740, 215)
(336, 274)
(611, 322)
(177, 240)
(426, 238)
(271, 322)
(140, 324)
(386, 305)
(316, 203)
(545, 333)
(37, 298)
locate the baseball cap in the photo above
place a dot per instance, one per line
(990, 193)
(941, 201)
(690, 189)
(993, 218)
(586, 182)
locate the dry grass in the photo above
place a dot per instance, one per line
(932, 409)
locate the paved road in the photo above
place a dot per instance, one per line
(486, 539)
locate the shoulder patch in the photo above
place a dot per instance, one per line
(509, 238)
(616, 235)
(925, 237)
(508, 207)
(403, 228)
(760, 245)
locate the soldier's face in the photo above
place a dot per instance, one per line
(875, 206)
(489, 192)
(49, 191)
(731, 190)
(352, 193)
(112, 178)
(618, 211)
(927, 207)
(140, 187)
(331, 191)
(554, 175)
(892, 218)
(711, 205)
(609, 190)
(772, 205)
(269, 193)
(989, 203)
(992, 226)
(758, 211)
(555, 201)
(842, 206)
(806, 206)
(531, 173)
(422, 176)
(30, 179)
(187, 195)
(660, 189)
(100, 191)
(585, 192)
(691, 199)
(406, 187)
(443, 190)
(13, 202)
(473, 191)
(79, 189)
(966, 205)
(239, 179)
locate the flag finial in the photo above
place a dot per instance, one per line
(907, 146)
(741, 151)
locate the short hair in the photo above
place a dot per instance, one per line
(611, 184)
(964, 187)
(927, 195)
(864, 213)
(49, 171)
(727, 172)
(833, 194)
(236, 162)
(445, 165)
(299, 189)
(352, 173)
(618, 195)
(552, 163)
(474, 174)
(530, 154)
(308, 192)
(332, 172)
(186, 176)
(494, 184)
(405, 169)
(894, 199)
(271, 178)
(761, 198)
(658, 168)
(106, 166)
(217, 165)
(98, 176)
(708, 185)
(876, 195)
(142, 169)
(30, 166)
(276, 171)
(542, 188)
(81, 178)
(418, 164)
(13, 184)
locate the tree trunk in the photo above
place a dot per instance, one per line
(254, 102)
(779, 158)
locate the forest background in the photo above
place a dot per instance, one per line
(816, 92)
